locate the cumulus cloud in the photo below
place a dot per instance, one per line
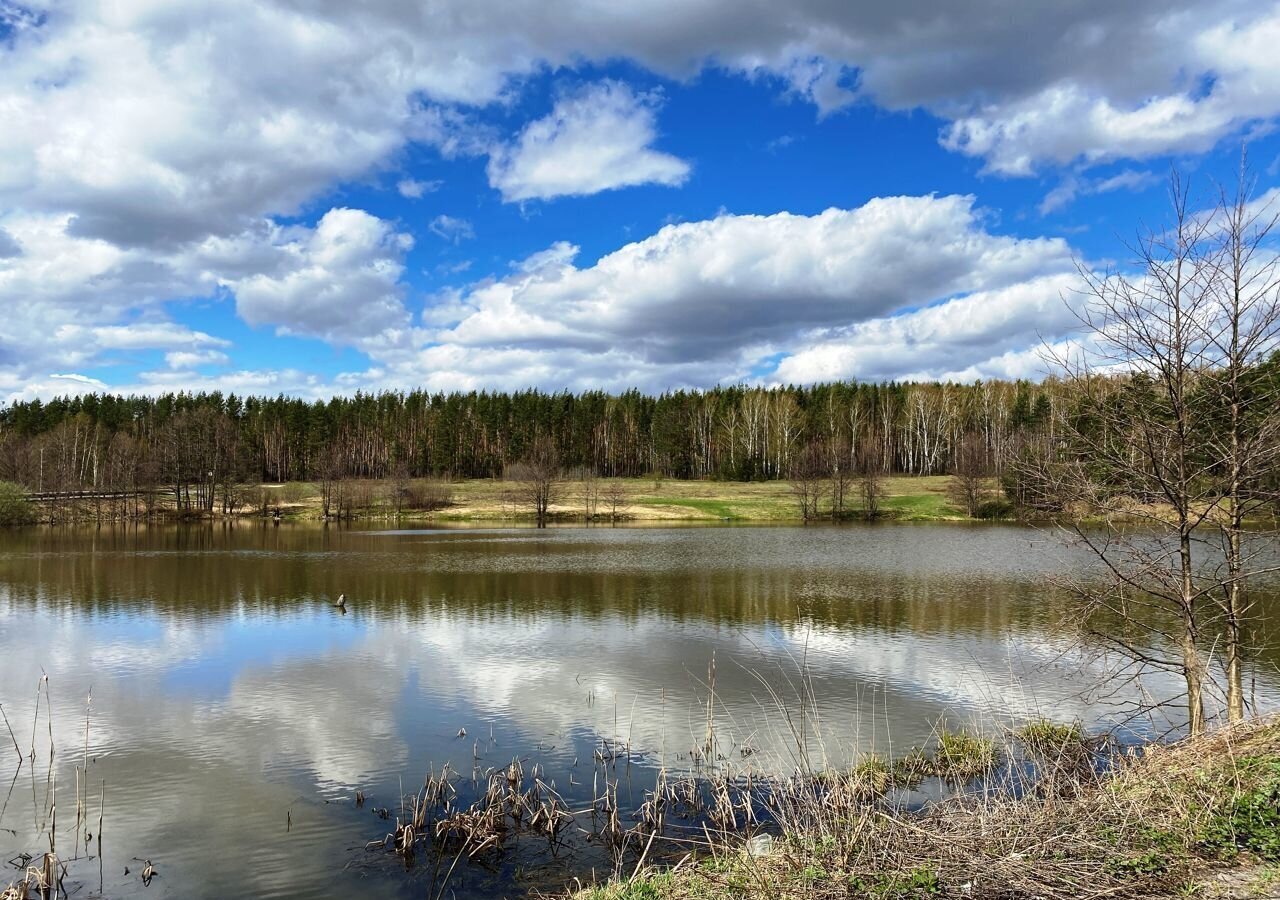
(340, 281)
(596, 139)
(900, 285)
(702, 291)
(724, 299)
(1075, 118)
(984, 334)
(163, 123)
(71, 300)
(66, 299)
(150, 335)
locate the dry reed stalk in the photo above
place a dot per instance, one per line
(11, 735)
(35, 720)
(88, 703)
(709, 742)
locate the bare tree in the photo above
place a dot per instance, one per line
(589, 492)
(841, 476)
(809, 479)
(430, 494)
(331, 478)
(401, 487)
(536, 478)
(615, 497)
(969, 474)
(871, 464)
(1244, 332)
(1166, 432)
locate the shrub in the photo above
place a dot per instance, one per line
(15, 509)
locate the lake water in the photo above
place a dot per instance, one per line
(235, 712)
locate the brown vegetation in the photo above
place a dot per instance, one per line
(1158, 825)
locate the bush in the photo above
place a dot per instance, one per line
(15, 509)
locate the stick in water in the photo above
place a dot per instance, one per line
(11, 737)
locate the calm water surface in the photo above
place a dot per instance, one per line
(235, 711)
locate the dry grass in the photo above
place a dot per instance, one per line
(647, 500)
(1157, 826)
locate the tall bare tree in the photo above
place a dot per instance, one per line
(1243, 437)
(969, 474)
(1165, 433)
(589, 492)
(871, 465)
(841, 475)
(1134, 447)
(536, 478)
(809, 479)
(615, 497)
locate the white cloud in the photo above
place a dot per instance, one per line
(899, 286)
(152, 335)
(66, 299)
(704, 302)
(1076, 118)
(706, 290)
(1073, 186)
(339, 282)
(986, 334)
(455, 231)
(150, 151)
(191, 359)
(413, 189)
(54, 384)
(1128, 180)
(69, 300)
(158, 123)
(596, 139)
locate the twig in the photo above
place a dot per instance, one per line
(11, 736)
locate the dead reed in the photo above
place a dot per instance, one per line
(1149, 825)
(48, 878)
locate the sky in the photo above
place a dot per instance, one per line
(314, 197)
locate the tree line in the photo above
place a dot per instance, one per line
(198, 446)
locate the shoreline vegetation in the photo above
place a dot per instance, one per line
(569, 501)
(927, 498)
(1196, 818)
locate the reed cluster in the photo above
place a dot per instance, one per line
(1155, 822)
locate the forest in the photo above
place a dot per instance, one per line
(199, 445)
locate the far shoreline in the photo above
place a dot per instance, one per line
(494, 502)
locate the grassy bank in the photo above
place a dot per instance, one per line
(637, 500)
(1197, 819)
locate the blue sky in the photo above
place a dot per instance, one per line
(271, 196)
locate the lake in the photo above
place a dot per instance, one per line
(236, 712)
